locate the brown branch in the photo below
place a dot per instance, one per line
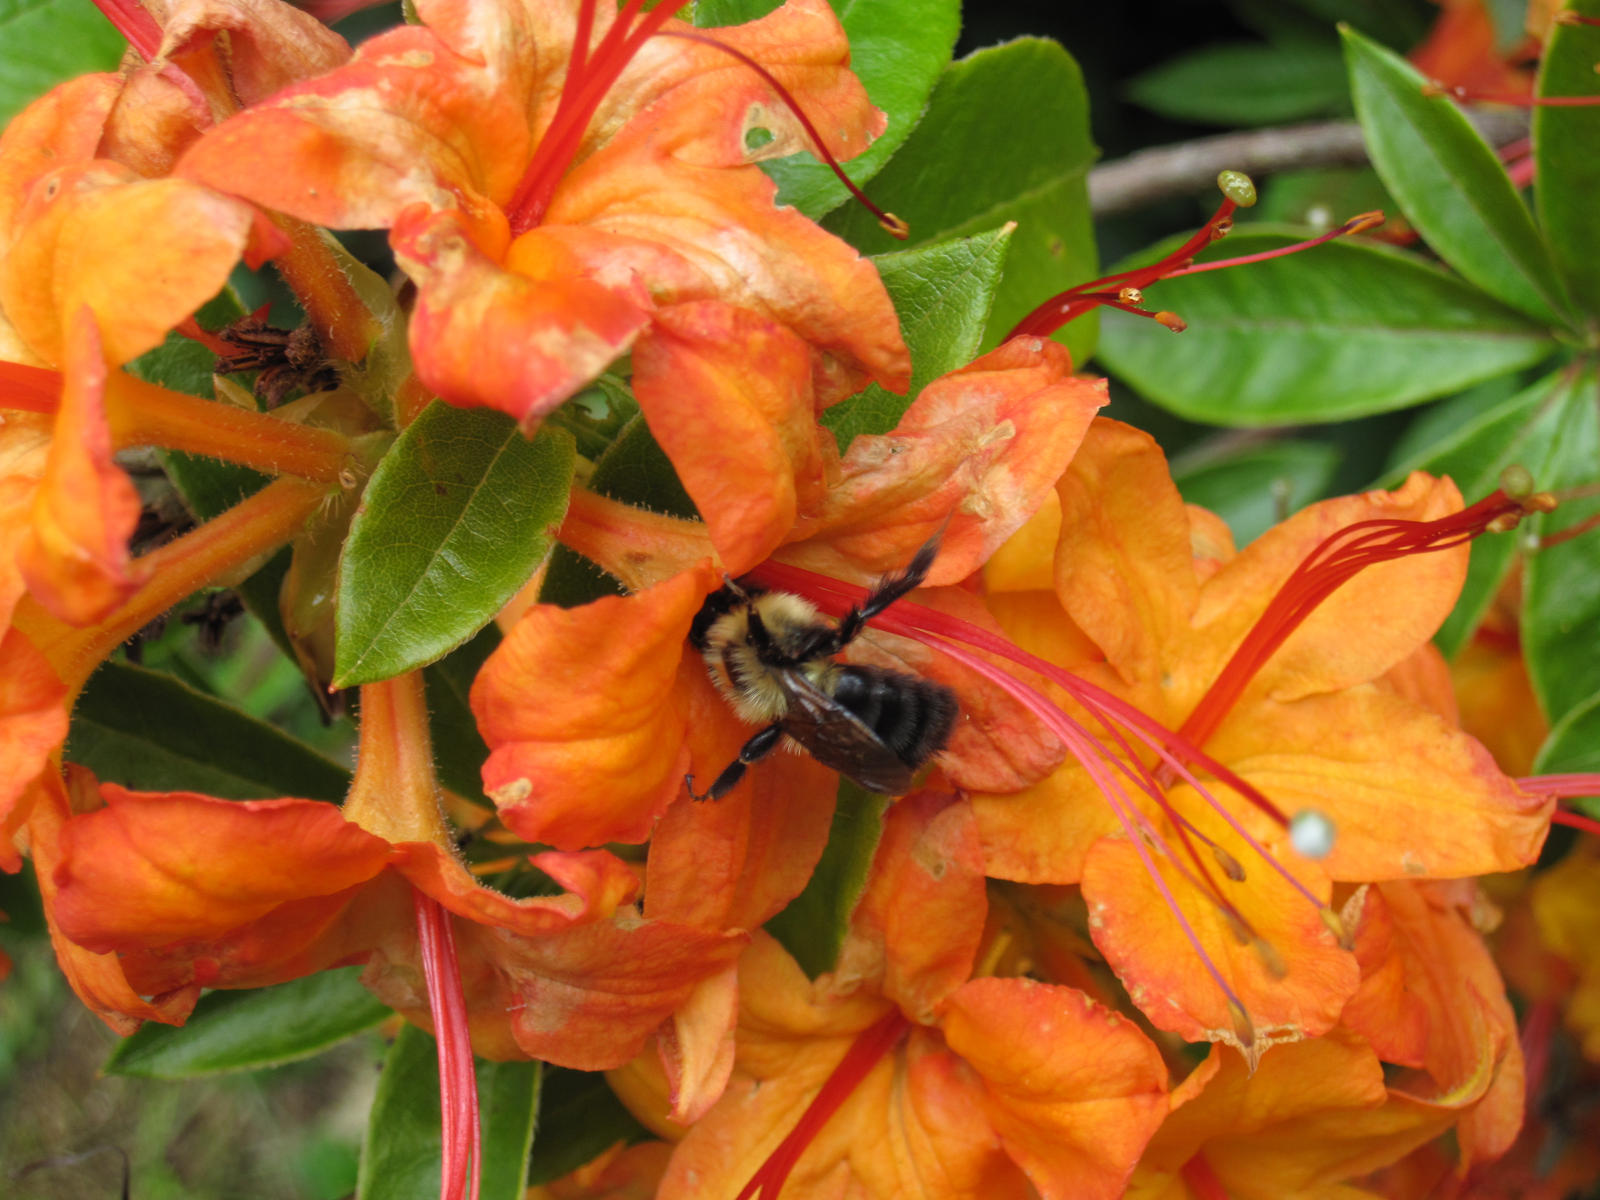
(1190, 167)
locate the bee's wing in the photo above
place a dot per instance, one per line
(837, 738)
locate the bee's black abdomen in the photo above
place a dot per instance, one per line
(910, 715)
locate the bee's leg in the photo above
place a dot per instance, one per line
(890, 588)
(757, 748)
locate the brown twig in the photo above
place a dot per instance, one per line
(1189, 167)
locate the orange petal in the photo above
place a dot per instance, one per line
(1074, 1091)
(914, 933)
(603, 763)
(33, 724)
(269, 45)
(141, 253)
(595, 884)
(1295, 990)
(1389, 761)
(75, 559)
(404, 121)
(483, 335)
(60, 128)
(98, 979)
(735, 863)
(697, 1046)
(727, 394)
(979, 448)
(151, 868)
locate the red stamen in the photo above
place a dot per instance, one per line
(891, 224)
(1202, 1180)
(1564, 787)
(31, 389)
(190, 328)
(589, 76)
(1514, 99)
(1538, 1029)
(1338, 558)
(1356, 224)
(1573, 820)
(458, 1080)
(870, 1045)
(1566, 535)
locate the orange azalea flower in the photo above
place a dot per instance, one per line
(189, 891)
(563, 187)
(975, 452)
(901, 1073)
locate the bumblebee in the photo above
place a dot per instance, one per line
(772, 655)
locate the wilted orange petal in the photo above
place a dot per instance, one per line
(915, 931)
(33, 723)
(404, 121)
(697, 1046)
(735, 863)
(75, 559)
(980, 447)
(141, 253)
(155, 867)
(1133, 926)
(484, 335)
(1391, 760)
(727, 394)
(270, 45)
(1073, 1090)
(584, 726)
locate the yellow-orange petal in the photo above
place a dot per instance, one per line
(483, 335)
(75, 556)
(727, 394)
(915, 931)
(1073, 1090)
(404, 121)
(603, 761)
(979, 449)
(61, 127)
(1409, 796)
(151, 868)
(1294, 990)
(141, 253)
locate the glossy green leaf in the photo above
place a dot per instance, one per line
(44, 42)
(813, 925)
(897, 59)
(402, 1156)
(148, 731)
(1561, 598)
(259, 1027)
(1474, 445)
(1255, 487)
(1567, 168)
(943, 294)
(1344, 330)
(579, 1116)
(457, 517)
(1005, 138)
(1245, 83)
(1450, 184)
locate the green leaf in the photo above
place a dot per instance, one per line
(897, 60)
(943, 294)
(579, 1116)
(457, 517)
(1477, 444)
(1561, 601)
(403, 1155)
(1005, 138)
(1567, 177)
(1245, 83)
(148, 731)
(43, 42)
(1573, 746)
(259, 1027)
(813, 925)
(1450, 184)
(1344, 330)
(1255, 487)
